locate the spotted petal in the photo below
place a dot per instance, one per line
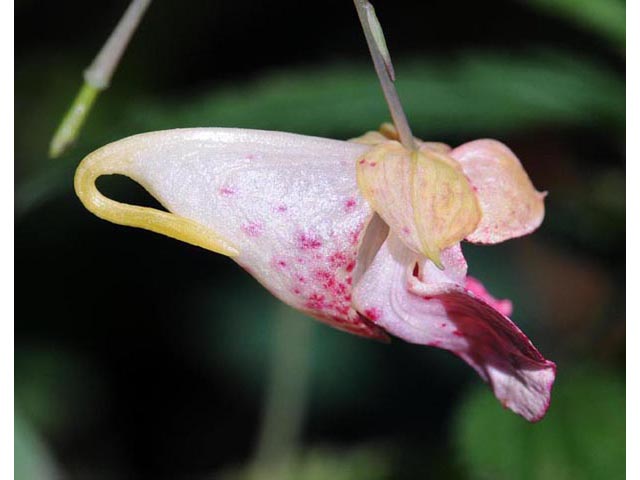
(286, 207)
(511, 206)
(409, 298)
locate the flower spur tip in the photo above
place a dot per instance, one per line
(111, 160)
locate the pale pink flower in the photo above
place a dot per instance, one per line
(289, 209)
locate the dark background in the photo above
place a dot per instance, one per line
(141, 357)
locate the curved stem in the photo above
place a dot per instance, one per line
(384, 69)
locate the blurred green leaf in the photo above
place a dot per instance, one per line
(604, 17)
(321, 463)
(32, 459)
(476, 93)
(57, 390)
(582, 436)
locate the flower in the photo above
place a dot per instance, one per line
(369, 253)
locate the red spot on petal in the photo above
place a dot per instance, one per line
(362, 161)
(326, 278)
(338, 260)
(308, 242)
(315, 302)
(341, 289)
(349, 205)
(373, 313)
(279, 263)
(282, 208)
(372, 164)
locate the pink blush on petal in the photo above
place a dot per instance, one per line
(227, 191)
(253, 229)
(279, 263)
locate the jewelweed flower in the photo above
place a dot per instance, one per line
(363, 235)
(289, 209)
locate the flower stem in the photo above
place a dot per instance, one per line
(69, 128)
(101, 69)
(384, 68)
(286, 395)
(97, 77)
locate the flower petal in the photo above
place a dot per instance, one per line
(433, 309)
(287, 205)
(511, 206)
(423, 196)
(475, 286)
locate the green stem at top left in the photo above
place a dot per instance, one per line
(97, 78)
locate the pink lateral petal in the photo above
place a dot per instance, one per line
(438, 311)
(510, 204)
(475, 286)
